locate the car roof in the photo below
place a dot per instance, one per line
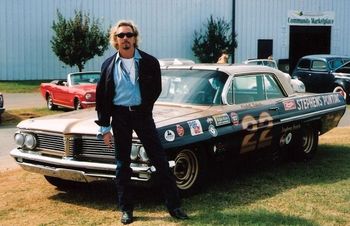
(237, 69)
(324, 56)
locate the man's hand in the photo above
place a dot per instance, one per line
(107, 139)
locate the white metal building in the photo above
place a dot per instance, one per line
(264, 27)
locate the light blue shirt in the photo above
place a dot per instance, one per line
(127, 92)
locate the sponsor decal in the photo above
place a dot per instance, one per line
(210, 120)
(289, 105)
(212, 130)
(234, 118)
(317, 101)
(180, 130)
(169, 135)
(222, 119)
(195, 127)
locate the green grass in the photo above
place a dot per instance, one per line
(287, 193)
(20, 86)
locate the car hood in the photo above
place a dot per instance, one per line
(86, 88)
(82, 121)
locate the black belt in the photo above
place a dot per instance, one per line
(127, 108)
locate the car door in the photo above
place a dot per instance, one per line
(258, 95)
(301, 72)
(321, 80)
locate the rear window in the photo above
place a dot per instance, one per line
(304, 64)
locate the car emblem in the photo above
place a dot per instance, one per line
(180, 130)
(169, 135)
(212, 130)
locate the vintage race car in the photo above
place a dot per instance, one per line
(205, 115)
(297, 85)
(77, 92)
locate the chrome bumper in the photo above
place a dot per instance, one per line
(70, 169)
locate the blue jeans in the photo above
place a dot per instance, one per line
(123, 123)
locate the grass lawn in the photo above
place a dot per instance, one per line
(291, 193)
(20, 86)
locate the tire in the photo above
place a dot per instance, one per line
(62, 184)
(190, 170)
(50, 104)
(305, 143)
(77, 104)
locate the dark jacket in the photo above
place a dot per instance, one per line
(150, 86)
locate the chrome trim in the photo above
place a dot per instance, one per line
(88, 102)
(306, 115)
(63, 168)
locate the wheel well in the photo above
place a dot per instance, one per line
(47, 95)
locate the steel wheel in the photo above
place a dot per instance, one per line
(50, 104)
(186, 169)
(77, 104)
(306, 143)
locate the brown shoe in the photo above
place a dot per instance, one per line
(178, 213)
(126, 217)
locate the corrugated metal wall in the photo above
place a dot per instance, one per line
(166, 28)
(267, 19)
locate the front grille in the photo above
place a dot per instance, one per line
(50, 142)
(93, 148)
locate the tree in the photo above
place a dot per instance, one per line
(217, 37)
(77, 40)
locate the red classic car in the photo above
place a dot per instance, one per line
(77, 92)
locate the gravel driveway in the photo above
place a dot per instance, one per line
(23, 100)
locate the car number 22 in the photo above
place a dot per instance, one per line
(254, 139)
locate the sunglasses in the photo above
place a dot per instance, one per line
(122, 35)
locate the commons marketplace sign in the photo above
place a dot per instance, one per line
(302, 18)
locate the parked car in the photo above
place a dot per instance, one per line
(76, 92)
(324, 73)
(205, 115)
(298, 86)
(2, 109)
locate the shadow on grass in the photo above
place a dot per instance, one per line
(254, 182)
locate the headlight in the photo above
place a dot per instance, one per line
(143, 154)
(25, 140)
(134, 152)
(88, 96)
(19, 139)
(30, 141)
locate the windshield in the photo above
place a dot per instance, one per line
(200, 87)
(335, 63)
(84, 78)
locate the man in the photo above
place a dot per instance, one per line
(130, 84)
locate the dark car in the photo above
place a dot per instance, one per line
(324, 73)
(2, 109)
(206, 116)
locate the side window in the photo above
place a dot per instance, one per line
(250, 88)
(319, 65)
(304, 64)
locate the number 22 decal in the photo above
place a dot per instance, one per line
(254, 140)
